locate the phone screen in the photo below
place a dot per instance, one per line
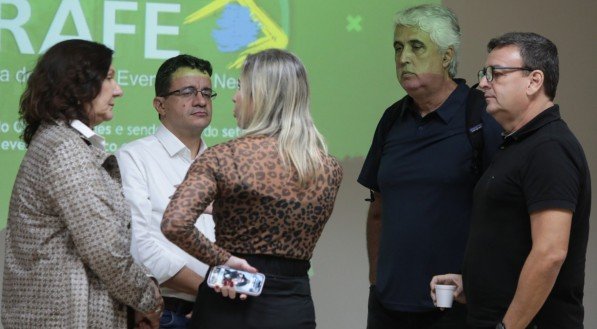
(243, 282)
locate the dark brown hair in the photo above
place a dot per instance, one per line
(163, 78)
(66, 78)
(537, 52)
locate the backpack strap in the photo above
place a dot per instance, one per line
(389, 117)
(396, 111)
(475, 105)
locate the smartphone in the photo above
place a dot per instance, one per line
(244, 282)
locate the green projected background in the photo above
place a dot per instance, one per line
(345, 45)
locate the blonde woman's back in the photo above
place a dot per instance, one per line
(261, 208)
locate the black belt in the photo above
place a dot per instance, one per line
(177, 305)
(274, 265)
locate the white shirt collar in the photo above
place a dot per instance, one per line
(95, 139)
(172, 144)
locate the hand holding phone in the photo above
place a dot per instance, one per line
(242, 281)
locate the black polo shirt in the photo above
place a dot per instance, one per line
(541, 166)
(425, 178)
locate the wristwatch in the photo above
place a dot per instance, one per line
(500, 325)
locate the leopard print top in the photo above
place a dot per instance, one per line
(259, 208)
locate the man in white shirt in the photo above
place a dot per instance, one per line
(151, 169)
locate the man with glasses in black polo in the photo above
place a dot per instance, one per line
(151, 169)
(525, 260)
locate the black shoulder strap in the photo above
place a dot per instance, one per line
(396, 111)
(475, 104)
(389, 118)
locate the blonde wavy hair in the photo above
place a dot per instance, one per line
(276, 102)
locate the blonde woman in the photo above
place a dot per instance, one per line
(273, 190)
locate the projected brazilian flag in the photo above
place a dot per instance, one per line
(346, 46)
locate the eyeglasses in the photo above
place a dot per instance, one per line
(188, 92)
(488, 72)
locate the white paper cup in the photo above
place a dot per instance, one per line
(444, 295)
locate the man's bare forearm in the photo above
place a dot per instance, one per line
(550, 231)
(185, 281)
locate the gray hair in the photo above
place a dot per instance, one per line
(439, 22)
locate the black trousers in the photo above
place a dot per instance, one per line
(284, 303)
(380, 317)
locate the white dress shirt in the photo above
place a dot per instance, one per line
(151, 168)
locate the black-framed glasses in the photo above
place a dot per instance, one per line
(188, 92)
(488, 72)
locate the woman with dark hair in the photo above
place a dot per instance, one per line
(67, 259)
(273, 190)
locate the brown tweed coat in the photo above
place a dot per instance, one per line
(67, 240)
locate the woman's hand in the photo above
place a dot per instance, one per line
(240, 264)
(228, 289)
(151, 320)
